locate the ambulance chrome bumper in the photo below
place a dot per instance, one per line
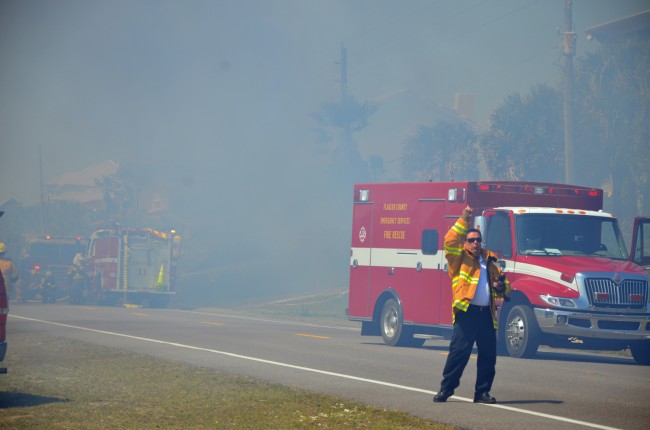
(593, 325)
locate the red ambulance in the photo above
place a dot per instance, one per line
(573, 284)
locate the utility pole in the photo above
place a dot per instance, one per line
(40, 185)
(569, 37)
(344, 74)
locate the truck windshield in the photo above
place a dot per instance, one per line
(557, 234)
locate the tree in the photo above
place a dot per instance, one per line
(119, 196)
(613, 123)
(443, 152)
(525, 138)
(336, 124)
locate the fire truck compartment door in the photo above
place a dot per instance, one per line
(361, 261)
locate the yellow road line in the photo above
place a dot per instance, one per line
(312, 335)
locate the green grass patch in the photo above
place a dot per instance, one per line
(58, 383)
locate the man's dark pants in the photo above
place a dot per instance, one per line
(475, 325)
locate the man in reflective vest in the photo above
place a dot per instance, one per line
(9, 270)
(477, 283)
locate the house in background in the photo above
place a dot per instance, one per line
(635, 26)
(84, 186)
(112, 194)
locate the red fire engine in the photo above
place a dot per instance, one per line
(573, 285)
(134, 266)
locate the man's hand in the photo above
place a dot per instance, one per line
(499, 285)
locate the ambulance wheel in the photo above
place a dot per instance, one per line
(391, 323)
(521, 332)
(392, 326)
(641, 352)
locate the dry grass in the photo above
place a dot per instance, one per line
(57, 383)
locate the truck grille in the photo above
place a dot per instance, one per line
(629, 294)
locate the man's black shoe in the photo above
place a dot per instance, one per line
(484, 398)
(442, 396)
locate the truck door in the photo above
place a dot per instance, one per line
(640, 252)
(361, 260)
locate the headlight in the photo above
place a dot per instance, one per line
(559, 301)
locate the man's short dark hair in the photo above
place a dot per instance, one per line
(474, 230)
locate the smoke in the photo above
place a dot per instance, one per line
(214, 100)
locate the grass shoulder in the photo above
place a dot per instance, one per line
(58, 383)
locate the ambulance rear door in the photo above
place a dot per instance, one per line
(361, 258)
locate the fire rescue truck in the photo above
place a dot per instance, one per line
(132, 266)
(48, 253)
(573, 285)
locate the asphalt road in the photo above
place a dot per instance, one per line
(556, 390)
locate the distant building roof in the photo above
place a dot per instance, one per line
(633, 26)
(82, 186)
(87, 176)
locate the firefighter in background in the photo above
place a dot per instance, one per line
(77, 281)
(34, 287)
(48, 288)
(177, 251)
(8, 269)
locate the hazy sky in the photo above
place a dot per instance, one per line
(219, 94)
(232, 83)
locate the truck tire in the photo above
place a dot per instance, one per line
(521, 332)
(641, 352)
(392, 327)
(391, 322)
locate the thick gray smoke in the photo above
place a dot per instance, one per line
(215, 100)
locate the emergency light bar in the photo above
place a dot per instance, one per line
(536, 189)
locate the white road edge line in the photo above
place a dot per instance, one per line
(323, 372)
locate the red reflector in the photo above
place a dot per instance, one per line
(483, 187)
(566, 277)
(593, 193)
(636, 297)
(601, 296)
(579, 192)
(527, 189)
(551, 190)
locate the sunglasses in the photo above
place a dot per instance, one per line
(474, 239)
